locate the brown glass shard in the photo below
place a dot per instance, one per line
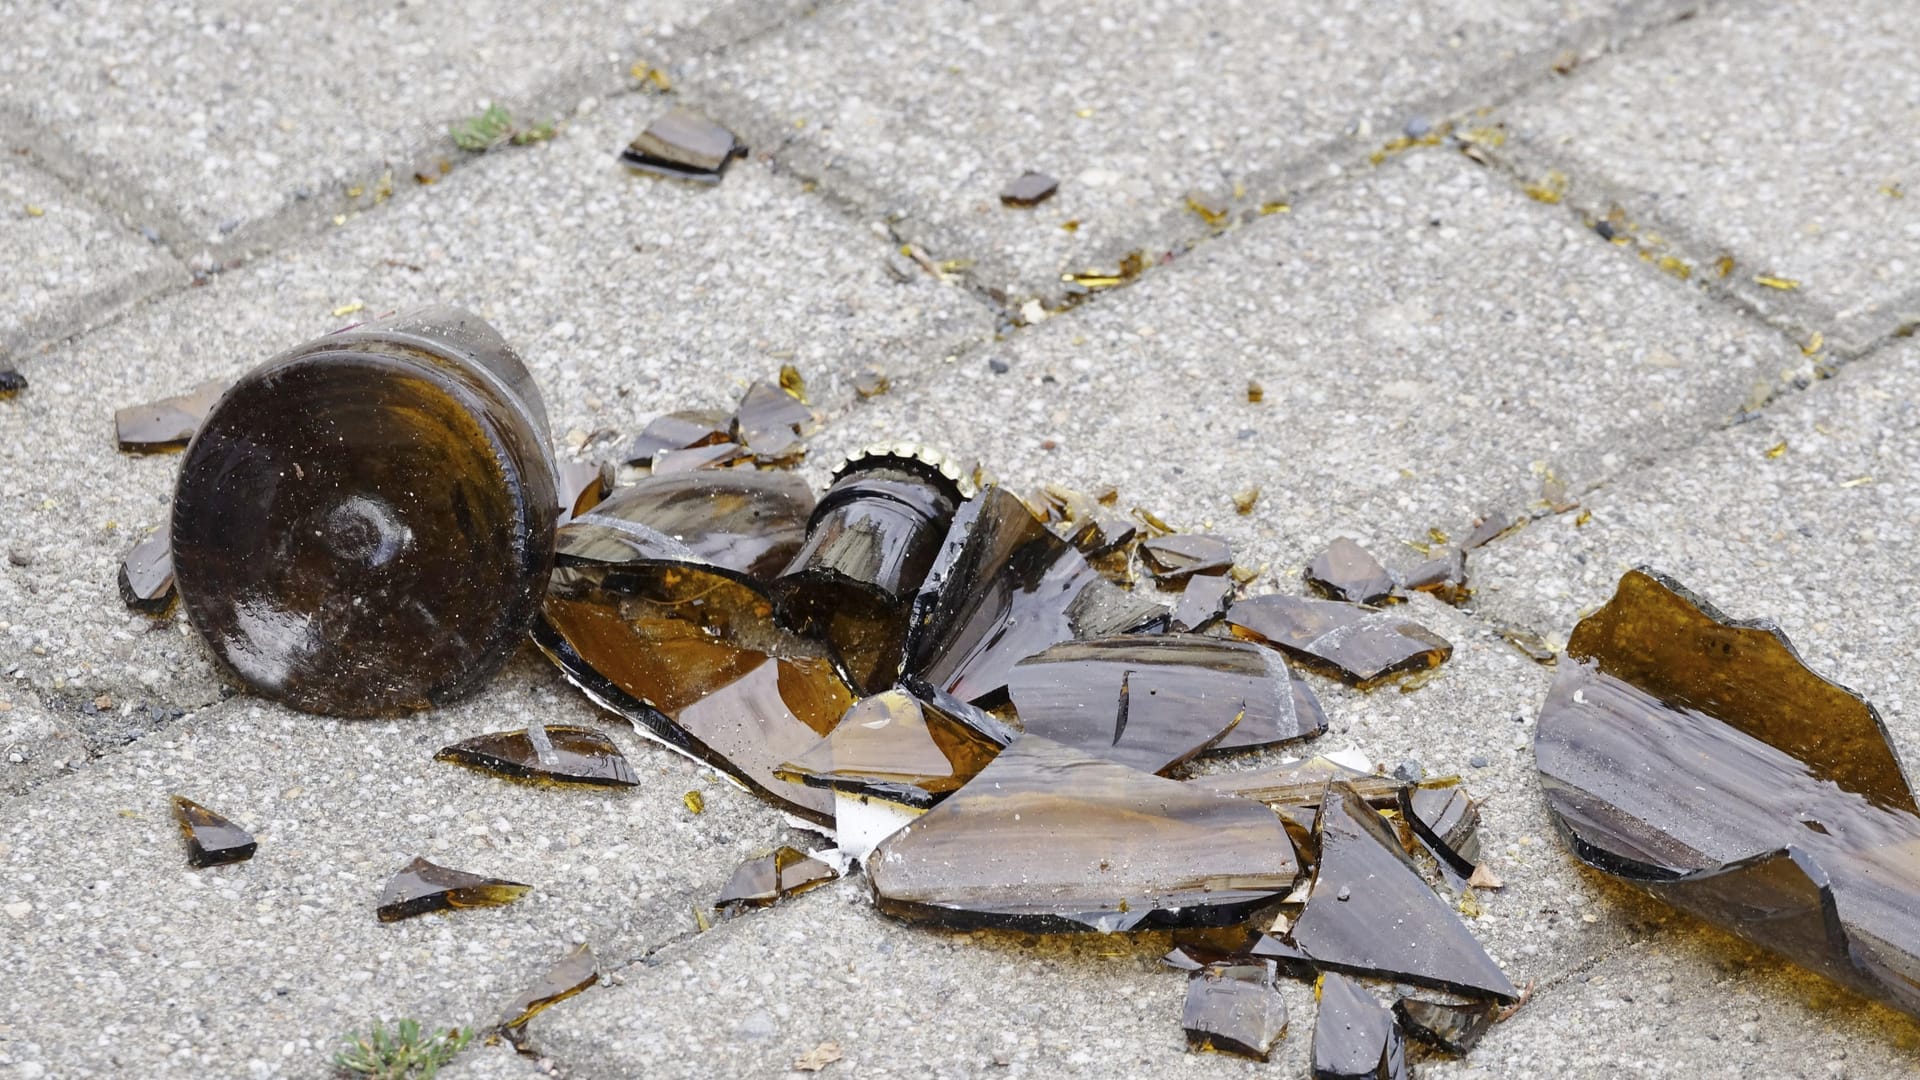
(900, 747)
(718, 456)
(146, 575)
(1490, 528)
(773, 877)
(1371, 913)
(868, 547)
(1152, 702)
(11, 383)
(684, 145)
(421, 886)
(1046, 838)
(212, 840)
(1029, 189)
(1446, 819)
(743, 524)
(1181, 555)
(772, 422)
(1359, 644)
(1234, 1009)
(1354, 1036)
(871, 382)
(583, 485)
(1700, 759)
(1002, 589)
(560, 753)
(1302, 782)
(1344, 571)
(1443, 576)
(1203, 600)
(575, 972)
(680, 431)
(1453, 1026)
(167, 424)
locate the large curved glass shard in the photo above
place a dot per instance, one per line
(1359, 644)
(1003, 588)
(1155, 701)
(743, 522)
(1234, 1009)
(1048, 838)
(899, 748)
(1345, 571)
(421, 886)
(561, 754)
(1371, 913)
(1700, 759)
(1354, 1036)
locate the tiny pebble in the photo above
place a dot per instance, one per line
(20, 556)
(1418, 127)
(998, 366)
(1344, 893)
(1479, 761)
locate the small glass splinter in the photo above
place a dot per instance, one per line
(211, 839)
(421, 886)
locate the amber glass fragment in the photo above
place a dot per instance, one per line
(1002, 589)
(1360, 645)
(763, 881)
(583, 485)
(1699, 758)
(1171, 558)
(1447, 820)
(146, 575)
(364, 524)
(166, 424)
(1301, 783)
(1443, 576)
(1203, 600)
(772, 422)
(560, 753)
(717, 456)
(1488, 529)
(1452, 1026)
(1029, 189)
(212, 840)
(679, 431)
(899, 748)
(1047, 838)
(575, 972)
(684, 145)
(421, 886)
(1234, 1009)
(869, 545)
(1153, 702)
(744, 524)
(1371, 913)
(1354, 1036)
(1344, 571)
(11, 383)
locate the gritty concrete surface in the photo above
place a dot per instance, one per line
(1132, 108)
(1432, 342)
(65, 260)
(1776, 133)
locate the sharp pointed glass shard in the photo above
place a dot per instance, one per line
(899, 748)
(743, 523)
(1152, 702)
(1171, 558)
(1196, 947)
(1359, 644)
(693, 459)
(1445, 817)
(167, 424)
(1002, 589)
(1344, 571)
(146, 575)
(582, 486)
(684, 145)
(212, 840)
(1700, 759)
(421, 886)
(575, 972)
(772, 877)
(1452, 1026)
(868, 547)
(1203, 600)
(1047, 838)
(1371, 913)
(772, 422)
(1354, 1036)
(1489, 528)
(559, 753)
(680, 431)
(1444, 576)
(1029, 189)
(1234, 1009)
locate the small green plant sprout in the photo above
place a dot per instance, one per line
(494, 128)
(402, 1053)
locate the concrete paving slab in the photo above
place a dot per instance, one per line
(223, 114)
(1777, 133)
(627, 296)
(930, 108)
(1816, 538)
(129, 963)
(1429, 341)
(66, 262)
